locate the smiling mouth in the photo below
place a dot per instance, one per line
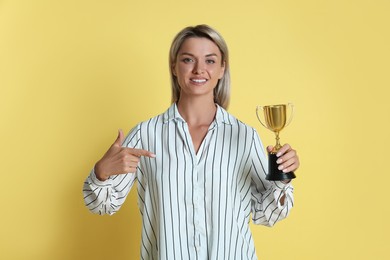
(199, 81)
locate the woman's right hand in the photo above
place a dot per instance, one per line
(119, 160)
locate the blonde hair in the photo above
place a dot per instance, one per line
(222, 90)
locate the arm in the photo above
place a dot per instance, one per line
(108, 184)
(271, 201)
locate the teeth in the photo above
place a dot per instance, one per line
(199, 80)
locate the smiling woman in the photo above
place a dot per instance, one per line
(202, 33)
(200, 171)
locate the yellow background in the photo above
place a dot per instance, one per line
(73, 72)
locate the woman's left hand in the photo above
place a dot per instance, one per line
(288, 159)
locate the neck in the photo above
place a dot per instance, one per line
(197, 111)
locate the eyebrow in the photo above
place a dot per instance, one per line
(189, 54)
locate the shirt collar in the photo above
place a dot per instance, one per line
(172, 113)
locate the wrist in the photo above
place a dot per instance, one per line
(99, 173)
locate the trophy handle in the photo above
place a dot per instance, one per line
(258, 117)
(292, 113)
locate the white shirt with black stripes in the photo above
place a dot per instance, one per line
(195, 205)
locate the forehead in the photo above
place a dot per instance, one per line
(199, 46)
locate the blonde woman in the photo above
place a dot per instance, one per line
(200, 172)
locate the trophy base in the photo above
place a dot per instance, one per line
(274, 174)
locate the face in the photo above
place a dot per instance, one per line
(198, 67)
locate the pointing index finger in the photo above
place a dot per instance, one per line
(141, 152)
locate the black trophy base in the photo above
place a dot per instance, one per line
(274, 174)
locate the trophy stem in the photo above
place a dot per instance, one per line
(277, 146)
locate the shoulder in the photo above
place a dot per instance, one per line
(158, 120)
(144, 130)
(236, 123)
(152, 121)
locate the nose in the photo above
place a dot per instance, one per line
(198, 68)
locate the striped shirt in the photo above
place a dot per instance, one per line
(195, 205)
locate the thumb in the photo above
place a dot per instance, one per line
(119, 140)
(269, 148)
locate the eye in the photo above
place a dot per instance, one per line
(210, 61)
(187, 60)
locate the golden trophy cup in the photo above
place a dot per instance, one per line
(275, 120)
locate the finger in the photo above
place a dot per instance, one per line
(133, 169)
(119, 139)
(141, 152)
(287, 156)
(127, 155)
(127, 167)
(286, 163)
(134, 159)
(290, 165)
(291, 168)
(270, 148)
(283, 150)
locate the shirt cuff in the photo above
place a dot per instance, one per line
(98, 182)
(281, 185)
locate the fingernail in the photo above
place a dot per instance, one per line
(278, 154)
(279, 161)
(285, 170)
(280, 167)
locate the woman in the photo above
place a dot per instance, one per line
(200, 171)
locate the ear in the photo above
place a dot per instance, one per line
(173, 68)
(223, 66)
